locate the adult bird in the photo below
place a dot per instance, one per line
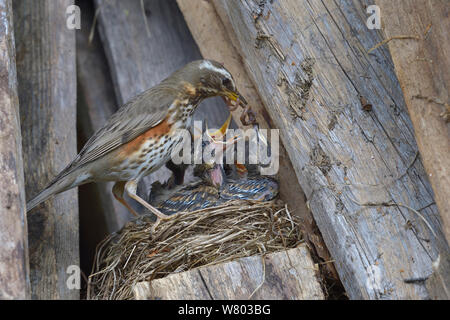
(139, 138)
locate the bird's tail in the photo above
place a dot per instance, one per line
(59, 184)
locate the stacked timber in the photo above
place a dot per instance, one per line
(350, 103)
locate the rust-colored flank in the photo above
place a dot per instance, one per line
(152, 134)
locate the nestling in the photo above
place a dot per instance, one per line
(215, 186)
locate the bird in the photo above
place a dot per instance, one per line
(214, 188)
(217, 183)
(138, 139)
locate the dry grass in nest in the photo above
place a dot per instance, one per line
(189, 240)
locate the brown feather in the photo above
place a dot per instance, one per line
(138, 116)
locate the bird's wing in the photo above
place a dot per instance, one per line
(133, 119)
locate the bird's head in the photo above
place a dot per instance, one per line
(208, 78)
(210, 171)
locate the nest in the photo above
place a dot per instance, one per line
(189, 240)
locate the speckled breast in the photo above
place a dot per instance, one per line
(152, 149)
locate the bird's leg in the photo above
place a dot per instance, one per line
(131, 187)
(117, 191)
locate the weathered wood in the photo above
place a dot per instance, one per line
(181, 286)
(438, 284)
(422, 66)
(47, 95)
(309, 63)
(14, 265)
(285, 275)
(97, 92)
(216, 43)
(144, 46)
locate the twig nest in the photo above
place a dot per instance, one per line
(189, 240)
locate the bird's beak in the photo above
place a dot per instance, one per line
(220, 132)
(216, 175)
(217, 136)
(235, 96)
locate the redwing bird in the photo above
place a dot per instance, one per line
(139, 138)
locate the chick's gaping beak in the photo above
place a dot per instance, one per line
(216, 175)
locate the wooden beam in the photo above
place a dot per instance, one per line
(14, 265)
(284, 275)
(356, 161)
(216, 42)
(421, 64)
(46, 73)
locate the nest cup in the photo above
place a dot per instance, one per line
(205, 237)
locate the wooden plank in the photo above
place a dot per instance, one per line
(144, 46)
(311, 68)
(420, 66)
(97, 94)
(215, 43)
(181, 286)
(46, 73)
(14, 265)
(285, 275)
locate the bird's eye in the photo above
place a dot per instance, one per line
(226, 82)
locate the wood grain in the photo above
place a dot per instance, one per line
(422, 66)
(309, 63)
(14, 265)
(46, 72)
(285, 275)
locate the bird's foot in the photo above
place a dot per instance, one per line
(159, 219)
